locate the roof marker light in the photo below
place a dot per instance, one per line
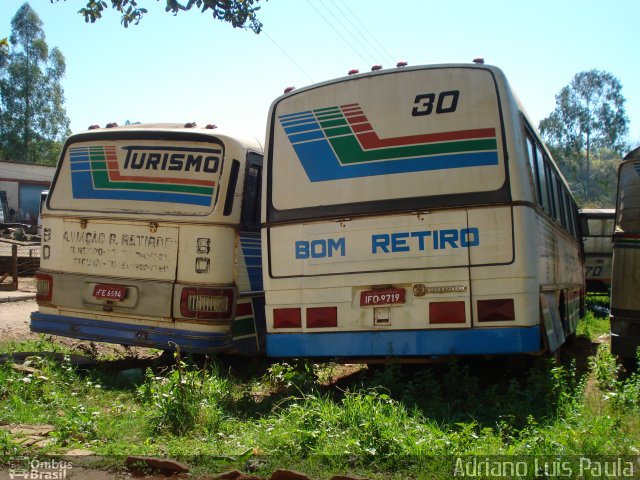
(211, 126)
(111, 125)
(289, 89)
(478, 60)
(353, 71)
(402, 63)
(190, 125)
(93, 127)
(375, 68)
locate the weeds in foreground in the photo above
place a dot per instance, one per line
(384, 421)
(184, 399)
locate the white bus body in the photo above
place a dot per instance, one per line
(415, 212)
(625, 276)
(598, 247)
(43, 199)
(151, 238)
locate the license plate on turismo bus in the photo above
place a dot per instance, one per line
(110, 292)
(382, 297)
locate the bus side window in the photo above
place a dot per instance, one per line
(231, 188)
(532, 163)
(250, 218)
(557, 212)
(542, 179)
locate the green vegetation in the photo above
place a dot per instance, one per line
(391, 422)
(33, 119)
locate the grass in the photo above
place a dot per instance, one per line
(394, 422)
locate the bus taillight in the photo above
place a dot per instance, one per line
(287, 318)
(206, 303)
(319, 317)
(447, 312)
(44, 287)
(496, 310)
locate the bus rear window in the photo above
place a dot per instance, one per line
(412, 139)
(138, 176)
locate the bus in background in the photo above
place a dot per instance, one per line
(151, 237)
(43, 199)
(597, 235)
(415, 212)
(625, 276)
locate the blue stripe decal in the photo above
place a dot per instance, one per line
(252, 252)
(104, 331)
(476, 341)
(321, 163)
(307, 136)
(304, 127)
(82, 183)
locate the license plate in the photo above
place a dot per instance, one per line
(382, 297)
(110, 292)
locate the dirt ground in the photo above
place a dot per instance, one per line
(14, 326)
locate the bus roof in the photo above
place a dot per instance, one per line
(633, 154)
(376, 73)
(251, 142)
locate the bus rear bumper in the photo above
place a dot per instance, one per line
(138, 335)
(401, 343)
(625, 334)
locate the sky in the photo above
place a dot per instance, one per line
(192, 68)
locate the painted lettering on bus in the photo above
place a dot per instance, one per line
(141, 158)
(321, 248)
(424, 239)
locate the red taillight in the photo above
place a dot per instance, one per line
(287, 318)
(319, 317)
(206, 303)
(44, 287)
(496, 310)
(447, 312)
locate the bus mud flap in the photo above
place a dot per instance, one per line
(554, 333)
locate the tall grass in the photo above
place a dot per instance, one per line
(394, 422)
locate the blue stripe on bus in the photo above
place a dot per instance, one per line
(293, 117)
(251, 250)
(321, 164)
(476, 341)
(306, 136)
(112, 332)
(82, 186)
(303, 127)
(79, 166)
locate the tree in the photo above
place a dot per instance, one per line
(237, 12)
(33, 120)
(589, 118)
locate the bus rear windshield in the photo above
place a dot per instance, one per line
(401, 140)
(138, 176)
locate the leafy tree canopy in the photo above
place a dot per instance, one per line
(33, 120)
(588, 124)
(239, 13)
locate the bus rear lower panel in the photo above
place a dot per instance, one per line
(406, 343)
(625, 333)
(164, 338)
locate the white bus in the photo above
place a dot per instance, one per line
(414, 212)
(151, 237)
(625, 276)
(598, 247)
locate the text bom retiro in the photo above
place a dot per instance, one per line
(381, 243)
